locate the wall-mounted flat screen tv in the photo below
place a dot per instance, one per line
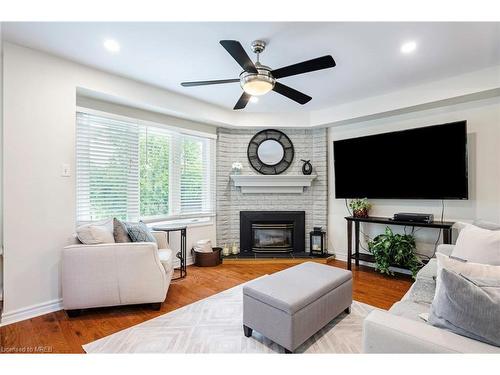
(423, 163)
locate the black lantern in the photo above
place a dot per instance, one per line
(317, 241)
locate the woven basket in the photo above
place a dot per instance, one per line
(208, 259)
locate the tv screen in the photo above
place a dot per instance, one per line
(422, 163)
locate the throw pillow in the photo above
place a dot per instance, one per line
(203, 246)
(120, 232)
(486, 224)
(469, 269)
(96, 233)
(468, 307)
(478, 245)
(139, 232)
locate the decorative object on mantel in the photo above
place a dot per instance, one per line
(270, 152)
(294, 184)
(317, 241)
(307, 168)
(236, 168)
(360, 207)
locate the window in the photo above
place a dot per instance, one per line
(134, 170)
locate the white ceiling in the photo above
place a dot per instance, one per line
(369, 61)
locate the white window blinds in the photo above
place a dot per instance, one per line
(131, 170)
(107, 173)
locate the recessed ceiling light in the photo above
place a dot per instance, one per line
(254, 99)
(111, 45)
(408, 47)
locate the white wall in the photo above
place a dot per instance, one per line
(40, 93)
(483, 124)
(1, 168)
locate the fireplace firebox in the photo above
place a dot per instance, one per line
(272, 231)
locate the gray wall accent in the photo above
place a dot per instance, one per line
(232, 147)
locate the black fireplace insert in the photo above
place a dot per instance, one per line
(272, 231)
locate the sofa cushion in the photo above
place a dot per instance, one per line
(422, 291)
(120, 231)
(294, 288)
(96, 233)
(166, 259)
(478, 245)
(428, 271)
(410, 309)
(468, 307)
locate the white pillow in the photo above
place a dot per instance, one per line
(478, 245)
(203, 246)
(473, 270)
(96, 233)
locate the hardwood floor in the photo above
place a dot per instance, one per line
(56, 333)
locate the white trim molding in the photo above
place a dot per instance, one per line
(31, 312)
(294, 184)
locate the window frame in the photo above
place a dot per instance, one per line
(174, 199)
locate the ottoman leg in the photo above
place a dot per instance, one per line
(247, 331)
(348, 310)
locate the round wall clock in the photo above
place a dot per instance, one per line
(270, 152)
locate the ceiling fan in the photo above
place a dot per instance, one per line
(257, 79)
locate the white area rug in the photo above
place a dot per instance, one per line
(214, 325)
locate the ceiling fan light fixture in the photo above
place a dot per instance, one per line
(257, 87)
(257, 84)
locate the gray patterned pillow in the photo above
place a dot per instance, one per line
(468, 307)
(120, 231)
(139, 232)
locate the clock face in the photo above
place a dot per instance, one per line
(270, 152)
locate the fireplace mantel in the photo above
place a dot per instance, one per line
(286, 183)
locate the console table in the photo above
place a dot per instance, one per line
(444, 225)
(181, 254)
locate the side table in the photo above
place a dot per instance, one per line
(181, 254)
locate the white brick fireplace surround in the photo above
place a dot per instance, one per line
(309, 144)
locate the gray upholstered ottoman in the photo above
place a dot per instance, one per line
(290, 306)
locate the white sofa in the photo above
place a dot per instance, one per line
(401, 330)
(116, 274)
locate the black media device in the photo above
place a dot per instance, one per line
(422, 163)
(413, 217)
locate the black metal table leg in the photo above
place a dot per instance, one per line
(447, 234)
(356, 243)
(181, 254)
(349, 244)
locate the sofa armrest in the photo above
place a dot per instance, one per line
(112, 274)
(161, 239)
(384, 332)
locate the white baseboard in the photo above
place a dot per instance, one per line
(30, 312)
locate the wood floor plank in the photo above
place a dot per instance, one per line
(57, 333)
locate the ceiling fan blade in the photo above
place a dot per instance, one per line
(291, 93)
(305, 67)
(236, 50)
(242, 102)
(205, 83)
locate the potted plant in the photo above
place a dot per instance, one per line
(391, 249)
(360, 207)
